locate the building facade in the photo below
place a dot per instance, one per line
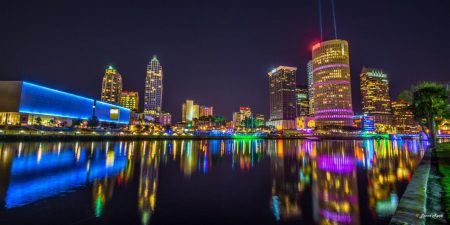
(24, 103)
(153, 87)
(302, 99)
(206, 111)
(245, 112)
(331, 80)
(165, 119)
(189, 111)
(364, 122)
(111, 85)
(260, 120)
(130, 100)
(283, 110)
(376, 101)
(403, 120)
(309, 73)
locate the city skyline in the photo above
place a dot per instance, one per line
(205, 66)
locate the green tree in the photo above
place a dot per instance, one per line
(38, 121)
(76, 122)
(93, 122)
(430, 105)
(406, 95)
(218, 120)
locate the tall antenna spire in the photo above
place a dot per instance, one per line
(320, 19)
(334, 18)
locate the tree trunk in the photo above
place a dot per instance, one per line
(432, 139)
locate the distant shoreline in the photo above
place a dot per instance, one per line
(126, 137)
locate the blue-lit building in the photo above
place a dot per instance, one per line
(364, 122)
(22, 103)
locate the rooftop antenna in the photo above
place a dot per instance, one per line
(334, 18)
(320, 19)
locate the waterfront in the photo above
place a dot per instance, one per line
(204, 182)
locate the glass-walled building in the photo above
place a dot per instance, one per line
(283, 105)
(375, 95)
(153, 88)
(302, 99)
(24, 103)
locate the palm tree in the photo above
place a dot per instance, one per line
(93, 122)
(38, 121)
(430, 106)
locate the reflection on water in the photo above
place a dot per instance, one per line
(329, 182)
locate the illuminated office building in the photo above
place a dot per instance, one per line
(260, 120)
(24, 103)
(283, 110)
(375, 95)
(153, 88)
(245, 112)
(130, 100)
(165, 119)
(111, 85)
(302, 99)
(237, 119)
(403, 118)
(189, 111)
(364, 122)
(309, 71)
(331, 80)
(205, 110)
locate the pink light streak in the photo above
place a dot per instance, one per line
(330, 66)
(336, 164)
(332, 82)
(334, 216)
(334, 111)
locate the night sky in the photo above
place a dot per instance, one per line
(217, 52)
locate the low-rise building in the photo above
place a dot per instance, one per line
(24, 103)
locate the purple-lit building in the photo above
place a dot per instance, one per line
(331, 80)
(165, 119)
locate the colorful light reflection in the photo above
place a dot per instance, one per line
(336, 164)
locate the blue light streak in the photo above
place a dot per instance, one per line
(55, 174)
(40, 100)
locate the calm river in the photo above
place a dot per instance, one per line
(204, 182)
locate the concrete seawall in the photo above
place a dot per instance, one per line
(420, 204)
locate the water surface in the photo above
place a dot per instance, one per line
(204, 182)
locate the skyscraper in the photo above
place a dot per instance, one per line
(331, 80)
(309, 71)
(130, 100)
(282, 83)
(302, 99)
(153, 87)
(111, 85)
(375, 95)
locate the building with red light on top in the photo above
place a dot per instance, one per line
(331, 80)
